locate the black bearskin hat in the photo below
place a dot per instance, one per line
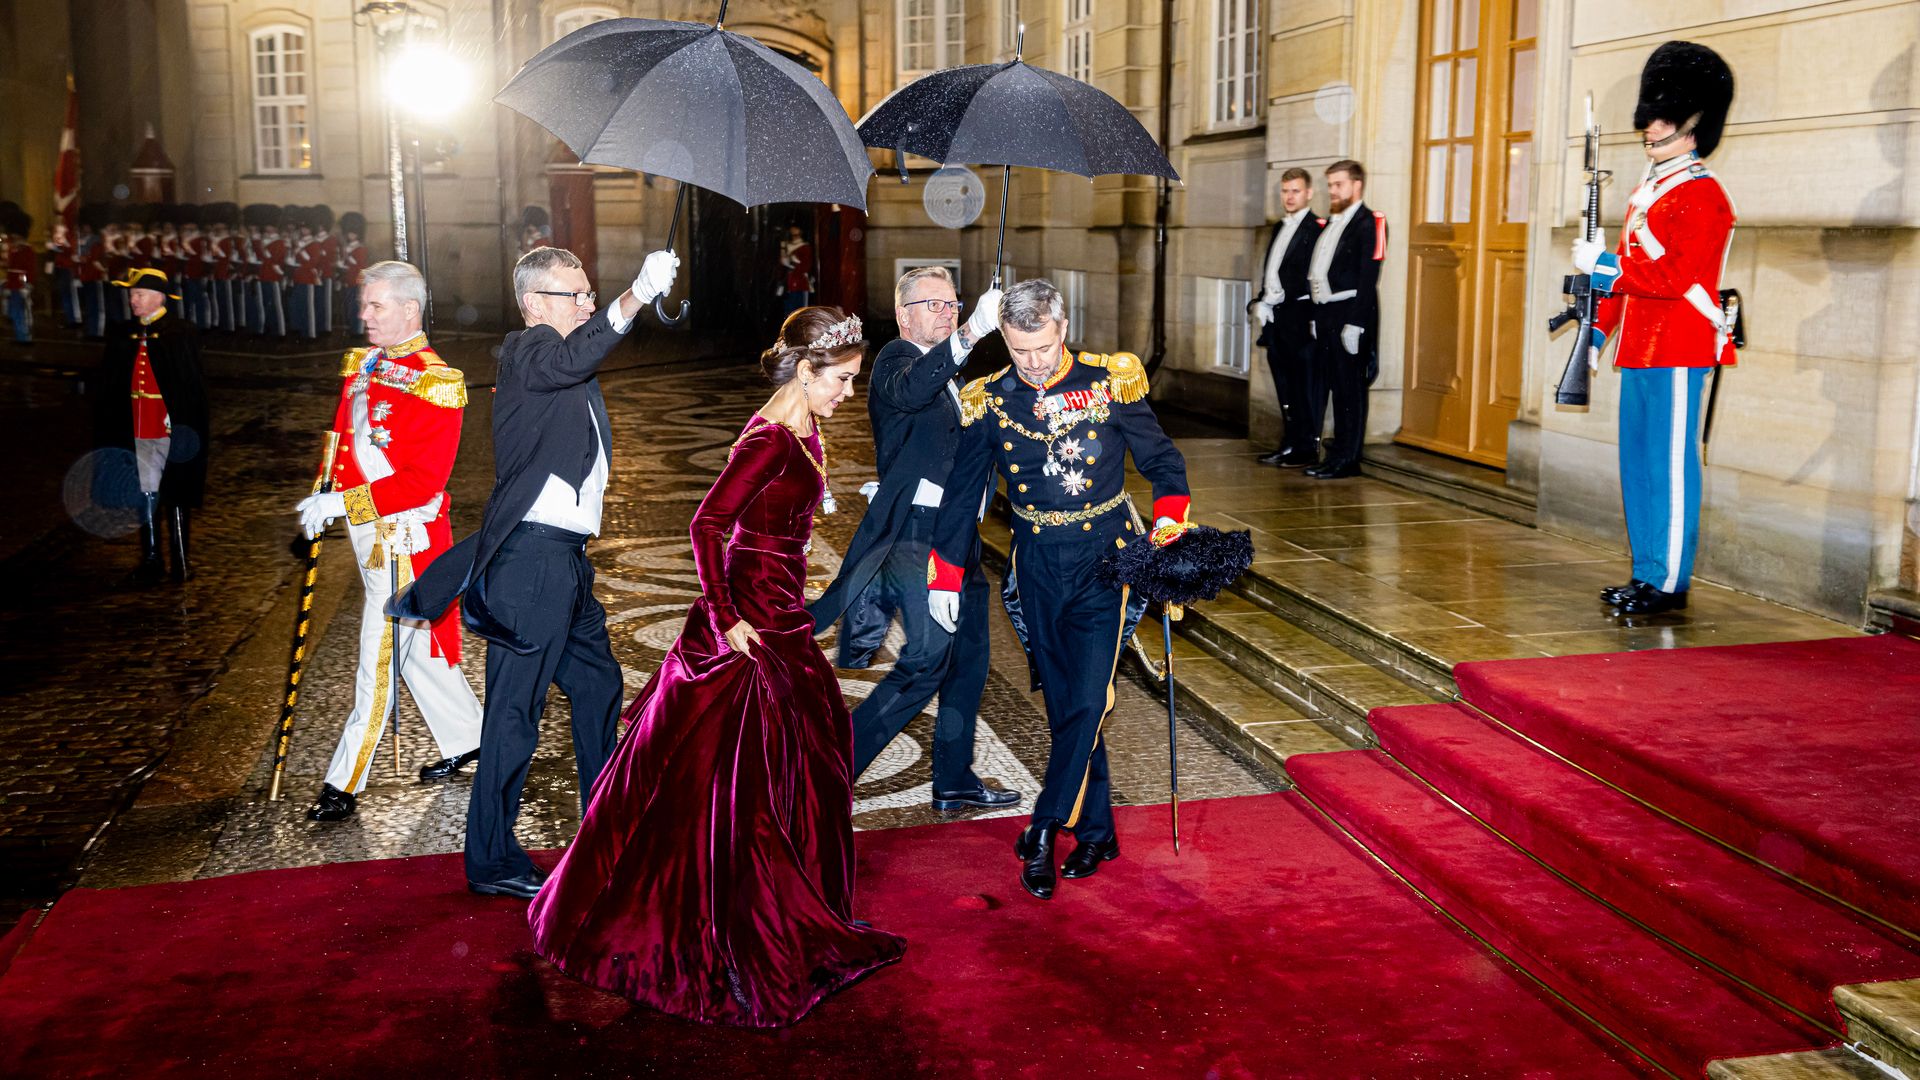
(1683, 80)
(260, 215)
(320, 217)
(1197, 566)
(220, 213)
(354, 222)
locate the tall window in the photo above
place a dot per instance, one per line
(282, 135)
(1077, 41)
(566, 22)
(1223, 303)
(1073, 293)
(932, 36)
(1236, 61)
(1009, 26)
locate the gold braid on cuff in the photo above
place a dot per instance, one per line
(359, 504)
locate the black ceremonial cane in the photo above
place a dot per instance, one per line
(393, 635)
(302, 621)
(1168, 613)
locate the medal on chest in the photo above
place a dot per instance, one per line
(1061, 413)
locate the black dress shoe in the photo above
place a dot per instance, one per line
(447, 766)
(1035, 848)
(1288, 459)
(1334, 470)
(524, 887)
(1088, 856)
(1613, 594)
(980, 796)
(1276, 458)
(332, 804)
(1647, 600)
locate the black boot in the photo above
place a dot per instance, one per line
(150, 570)
(180, 526)
(1613, 594)
(1038, 875)
(331, 804)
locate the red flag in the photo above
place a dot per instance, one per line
(66, 175)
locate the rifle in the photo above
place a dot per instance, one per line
(284, 734)
(1575, 381)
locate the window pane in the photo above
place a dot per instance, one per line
(1468, 34)
(1439, 95)
(1463, 100)
(1519, 177)
(1520, 115)
(1462, 184)
(1526, 19)
(1435, 183)
(1442, 27)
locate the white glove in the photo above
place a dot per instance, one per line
(318, 511)
(869, 489)
(1262, 312)
(1350, 339)
(944, 606)
(655, 276)
(1586, 253)
(986, 315)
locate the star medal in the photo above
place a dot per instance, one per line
(381, 409)
(380, 437)
(1068, 449)
(1075, 482)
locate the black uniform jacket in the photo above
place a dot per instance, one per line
(916, 433)
(173, 351)
(545, 391)
(1293, 266)
(1356, 265)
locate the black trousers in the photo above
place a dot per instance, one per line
(1346, 376)
(1296, 377)
(1075, 625)
(933, 661)
(541, 585)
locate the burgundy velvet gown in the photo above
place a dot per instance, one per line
(713, 874)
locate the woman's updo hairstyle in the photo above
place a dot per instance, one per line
(818, 336)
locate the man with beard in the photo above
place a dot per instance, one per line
(1344, 279)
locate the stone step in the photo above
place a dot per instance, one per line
(1476, 487)
(1838, 1063)
(1884, 1019)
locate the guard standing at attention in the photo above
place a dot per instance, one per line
(1675, 330)
(1059, 430)
(1283, 306)
(1344, 278)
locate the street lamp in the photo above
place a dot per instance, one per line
(428, 83)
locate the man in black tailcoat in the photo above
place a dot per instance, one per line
(1283, 307)
(915, 407)
(1343, 277)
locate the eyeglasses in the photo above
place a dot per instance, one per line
(938, 306)
(580, 299)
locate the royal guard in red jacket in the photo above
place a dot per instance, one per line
(60, 263)
(796, 270)
(270, 274)
(399, 426)
(354, 258)
(304, 270)
(116, 255)
(90, 274)
(20, 267)
(193, 276)
(326, 258)
(1661, 300)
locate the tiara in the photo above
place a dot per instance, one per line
(844, 332)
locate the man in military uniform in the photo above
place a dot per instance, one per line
(303, 269)
(193, 275)
(60, 263)
(326, 260)
(915, 407)
(1343, 277)
(399, 426)
(1668, 262)
(1283, 307)
(150, 402)
(20, 266)
(353, 263)
(90, 273)
(1059, 430)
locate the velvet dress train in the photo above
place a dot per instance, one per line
(712, 877)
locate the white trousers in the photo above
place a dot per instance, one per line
(439, 688)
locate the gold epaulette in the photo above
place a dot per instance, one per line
(973, 398)
(1126, 375)
(443, 386)
(353, 361)
(429, 358)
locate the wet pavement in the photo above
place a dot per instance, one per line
(141, 720)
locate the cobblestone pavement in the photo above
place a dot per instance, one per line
(203, 811)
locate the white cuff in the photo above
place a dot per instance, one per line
(620, 323)
(960, 349)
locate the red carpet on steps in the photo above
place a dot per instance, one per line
(1657, 999)
(1801, 753)
(1774, 933)
(1270, 947)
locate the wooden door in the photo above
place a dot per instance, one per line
(1473, 171)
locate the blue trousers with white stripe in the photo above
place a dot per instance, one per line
(1660, 470)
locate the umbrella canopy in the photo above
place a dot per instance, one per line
(698, 104)
(1014, 114)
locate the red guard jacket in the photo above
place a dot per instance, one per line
(1660, 288)
(20, 265)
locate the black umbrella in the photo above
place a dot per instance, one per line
(698, 104)
(1014, 114)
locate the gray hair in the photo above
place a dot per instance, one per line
(1032, 304)
(904, 288)
(535, 270)
(403, 278)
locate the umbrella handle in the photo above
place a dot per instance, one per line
(660, 312)
(673, 226)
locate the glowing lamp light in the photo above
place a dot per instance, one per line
(427, 81)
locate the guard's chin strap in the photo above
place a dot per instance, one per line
(1684, 129)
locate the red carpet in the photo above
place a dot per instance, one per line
(1269, 948)
(1654, 997)
(1801, 753)
(1743, 917)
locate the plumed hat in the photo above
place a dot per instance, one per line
(1197, 566)
(1682, 81)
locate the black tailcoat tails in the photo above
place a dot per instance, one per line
(1353, 277)
(915, 409)
(1062, 448)
(1289, 339)
(173, 352)
(529, 587)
